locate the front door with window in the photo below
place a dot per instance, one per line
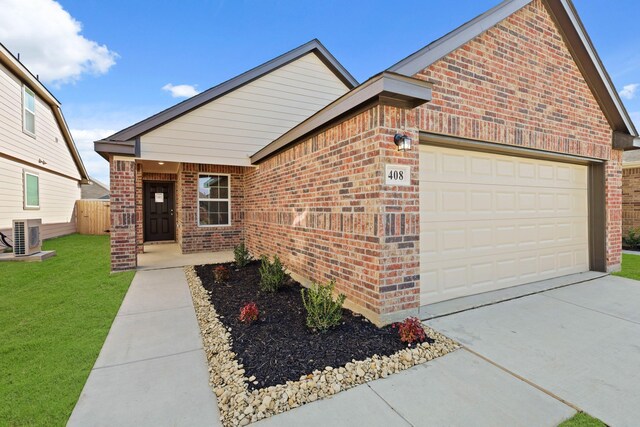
(159, 222)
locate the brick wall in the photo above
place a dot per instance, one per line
(322, 207)
(630, 199)
(190, 236)
(613, 189)
(517, 84)
(123, 214)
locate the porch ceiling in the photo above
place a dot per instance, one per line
(159, 167)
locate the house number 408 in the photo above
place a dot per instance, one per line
(397, 175)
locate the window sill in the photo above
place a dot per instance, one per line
(26, 132)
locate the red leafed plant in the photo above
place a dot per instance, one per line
(410, 330)
(220, 274)
(249, 313)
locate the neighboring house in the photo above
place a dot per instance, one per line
(94, 190)
(40, 168)
(513, 174)
(630, 191)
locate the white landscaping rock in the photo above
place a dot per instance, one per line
(227, 377)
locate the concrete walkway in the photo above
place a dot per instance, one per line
(581, 343)
(530, 362)
(152, 369)
(459, 389)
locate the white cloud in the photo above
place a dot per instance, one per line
(49, 42)
(629, 91)
(181, 91)
(97, 167)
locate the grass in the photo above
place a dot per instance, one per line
(54, 318)
(630, 267)
(582, 420)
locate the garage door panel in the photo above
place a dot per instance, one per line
(486, 168)
(456, 201)
(470, 238)
(442, 280)
(491, 221)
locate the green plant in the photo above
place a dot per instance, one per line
(220, 274)
(410, 330)
(322, 311)
(632, 239)
(241, 255)
(272, 274)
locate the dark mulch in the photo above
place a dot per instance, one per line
(279, 346)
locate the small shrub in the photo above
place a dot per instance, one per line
(632, 239)
(241, 255)
(322, 311)
(249, 313)
(220, 274)
(272, 274)
(410, 330)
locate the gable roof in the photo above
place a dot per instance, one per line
(575, 36)
(209, 95)
(95, 190)
(19, 70)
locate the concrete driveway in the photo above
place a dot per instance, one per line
(580, 343)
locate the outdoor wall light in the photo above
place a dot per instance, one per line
(402, 141)
(161, 163)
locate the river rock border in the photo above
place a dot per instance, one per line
(239, 406)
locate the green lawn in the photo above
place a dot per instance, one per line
(582, 420)
(630, 267)
(54, 317)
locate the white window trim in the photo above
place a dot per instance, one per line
(24, 191)
(214, 200)
(25, 88)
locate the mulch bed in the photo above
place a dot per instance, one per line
(279, 346)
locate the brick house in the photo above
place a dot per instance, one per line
(513, 174)
(630, 191)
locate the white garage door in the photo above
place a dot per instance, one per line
(491, 221)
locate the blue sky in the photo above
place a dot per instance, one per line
(135, 48)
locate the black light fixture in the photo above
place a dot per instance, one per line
(402, 141)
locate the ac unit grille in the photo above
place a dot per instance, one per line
(34, 237)
(19, 244)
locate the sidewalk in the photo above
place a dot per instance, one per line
(459, 389)
(152, 369)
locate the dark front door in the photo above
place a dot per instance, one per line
(158, 208)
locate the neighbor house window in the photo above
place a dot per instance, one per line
(29, 111)
(214, 204)
(31, 191)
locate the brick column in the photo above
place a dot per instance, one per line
(123, 214)
(613, 189)
(139, 210)
(399, 280)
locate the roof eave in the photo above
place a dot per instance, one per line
(117, 148)
(624, 141)
(385, 88)
(440, 48)
(590, 65)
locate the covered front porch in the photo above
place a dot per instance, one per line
(169, 255)
(178, 209)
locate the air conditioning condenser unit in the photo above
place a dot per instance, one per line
(26, 236)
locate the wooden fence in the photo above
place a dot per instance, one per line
(93, 216)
